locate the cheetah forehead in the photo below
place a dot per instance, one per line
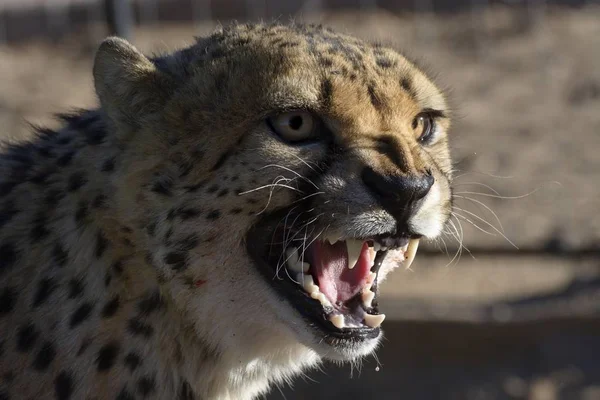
(310, 60)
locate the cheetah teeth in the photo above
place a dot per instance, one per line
(410, 251)
(374, 321)
(294, 262)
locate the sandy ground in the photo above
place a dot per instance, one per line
(498, 324)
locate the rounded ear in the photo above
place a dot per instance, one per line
(127, 83)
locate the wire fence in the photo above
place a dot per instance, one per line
(24, 19)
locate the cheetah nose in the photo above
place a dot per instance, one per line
(398, 194)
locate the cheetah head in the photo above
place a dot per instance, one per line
(277, 174)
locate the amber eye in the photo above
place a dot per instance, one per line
(424, 127)
(294, 126)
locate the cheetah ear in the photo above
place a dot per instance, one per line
(128, 84)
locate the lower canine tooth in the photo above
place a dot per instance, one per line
(410, 253)
(367, 298)
(374, 321)
(337, 320)
(309, 284)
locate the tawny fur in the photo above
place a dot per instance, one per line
(123, 266)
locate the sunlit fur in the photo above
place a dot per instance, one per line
(194, 167)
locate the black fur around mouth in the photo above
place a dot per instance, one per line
(268, 254)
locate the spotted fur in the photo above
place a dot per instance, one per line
(123, 266)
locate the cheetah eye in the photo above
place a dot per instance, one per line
(424, 127)
(294, 126)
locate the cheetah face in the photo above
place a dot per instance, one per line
(356, 215)
(341, 165)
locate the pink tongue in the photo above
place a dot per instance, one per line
(329, 267)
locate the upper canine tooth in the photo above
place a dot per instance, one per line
(374, 321)
(354, 247)
(309, 284)
(410, 253)
(338, 321)
(376, 246)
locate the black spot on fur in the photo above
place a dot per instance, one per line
(151, 228)
(223, 193)
(384, 62)
(65, 159)
(59, 255)
(27, 335)
(151, 303)
(108, 165)
(4, 395)
(326, 93)
(117, 266)
(222, 159)
(76, 181)
(40, 178)
(185, 392)
(406, 84)
(7, 213)
(213, 215)
(44, 357)
(107, 279)
(195, 187)
(374, 97)
(132, 361)
(101, 244)
(125, 395)
(163, 186)
(63, 386)
(146, 385)
(107, 355)
(111, 307)
(212, 189)
(176, 259)
(82, 212)
(80, 315)
(236, 210)
(44, 289)
(188, 242)
(76, 286)
(8, 257)
(53, 197)
(7, 187)
(187, 213)
(8, 298)
(139, 328)
(95, 135)
(99, 201)
(39, 230)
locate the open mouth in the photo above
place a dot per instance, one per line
(331, 281)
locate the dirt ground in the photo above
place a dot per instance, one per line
(501, 323)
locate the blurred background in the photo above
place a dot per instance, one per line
(507, 305)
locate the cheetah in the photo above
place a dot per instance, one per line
(221, 221)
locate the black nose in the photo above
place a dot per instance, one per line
(398, 194)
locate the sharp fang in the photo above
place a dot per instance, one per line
(376, 246)
(303, 266)
(367, 298)
(374, 321)
(337, 320)
(354, 247)
(410, 253)
(309, 284)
